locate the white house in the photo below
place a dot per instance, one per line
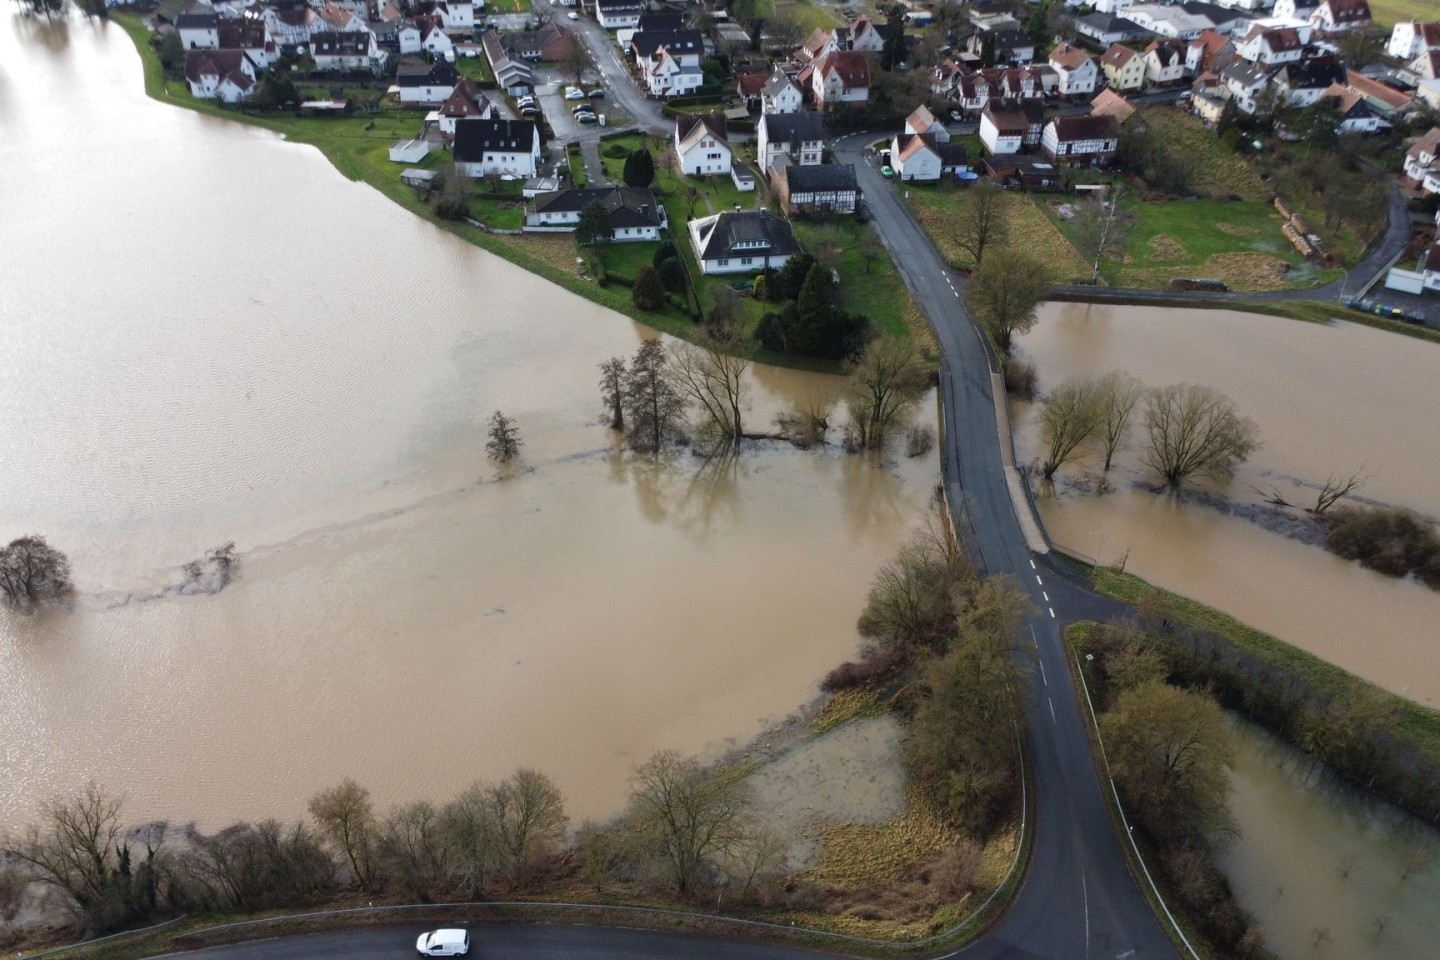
(1077, 70)
(799, 136)
(1409, 40)
(1164, 62)
(504, 147)
(1355, 112)
(455, 16)
(616, 14)
(226, 75)
(465, 102)
(425, 83)
(841, 76)
(742, 241)
(1081, 140)
(1107, 30)
(1422, 161)
(198, 31)
(923, 121)
(1002, 131)
(866, 36)
(1303, 83)
(433, 38)
(701, 145)
(1244, 82)
(1271, 47)
(920, 156)
(781, 94)
(666, 75)
(634, 213)
(1169, 21)
(407, 34)
(1334, 17)
(348, 52)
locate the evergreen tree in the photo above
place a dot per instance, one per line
(594, 228)
(892, 54)
(814, 308)
(672, 274)
(665, 251)
(504, 443)
(648, 292)
(639, 169)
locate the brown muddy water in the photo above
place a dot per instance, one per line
(1330, 873)
(1328, 400)
(208, 335)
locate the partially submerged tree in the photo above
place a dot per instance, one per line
(981, 223)
(887, 381)
(1117, 394)
(714, 382)
(688, 814)
(1068, 418)
(612, 391)
(504, 443)
(1004, 295)
(32, 574)
(654, 406)
(1194, 431)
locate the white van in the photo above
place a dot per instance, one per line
(443, 943)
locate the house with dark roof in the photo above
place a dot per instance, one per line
(1270, 47)
(742, 241)
(465, 102)
(659, 20)
(509, 148)
(1409, 40)
(1023, 170)
(1081, 141)
(781, 94)
(1106, 29)
(1123, 67)
(225, 75)
(348, 52)
(1244, 82)
(425, 83)
(1388, 101)
(1334, 17)
(1009, 126)
(617, 14)
(198, 31)
(798, 136)
(1305, 82)
(839, 77)
(814, 188)
(512, 74)
(1011, 45)
(1165, 62)
(701, 146)
(635, 214)
(250, 35)
(1355, 113)
(669, 60)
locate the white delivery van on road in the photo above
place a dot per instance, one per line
(443, 943)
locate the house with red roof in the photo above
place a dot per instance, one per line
(225, 75)
(839, 77)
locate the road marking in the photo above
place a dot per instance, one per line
(1053, 720)
(1032, 565)
(1045, 595)
(1085, 893)
(1038, 580)
(1042, 673)
(1052, 612)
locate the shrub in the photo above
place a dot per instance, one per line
(1020, 378)
(919, 440)
(648, 291)
(1392, 542)
(856, 673)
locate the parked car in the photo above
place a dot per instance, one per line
(574, 93)
(528, 112)
(443, 943)
(597, 93)
(586, 118)
(525, 101)
(573, 15)
(887, 171)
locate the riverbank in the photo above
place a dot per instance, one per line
(357, 146)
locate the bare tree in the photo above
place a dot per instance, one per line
(981, 221)
(32, 573)
(1193, 431)
(529, 818)
(654, 407)
(715, 383)
(1117, 394)
(687, 813)
(1004, 294)
(477, 852)
(346, 820)
(871, 250)
(692, 199)
(255, 866)
(1069, 417)
(413, 850)
(785, 31)
(726, 312)
(759, 854)
(1335, 488)
(804, 423)
(889, 379)
(504, 443)
(576, 59)
(612, 391)
(1101, 228)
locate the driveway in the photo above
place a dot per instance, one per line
(614, 73)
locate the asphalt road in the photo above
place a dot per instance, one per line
(1079, 898)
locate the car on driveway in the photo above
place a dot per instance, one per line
(573, 15)
(586, 118)
(887, 172)
(574, 93)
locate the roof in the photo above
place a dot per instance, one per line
(776, 82)
(1245, 74)
(692, 128)
(464, 101)
(627, 206)
(475, 138)
(1012, 117)
(336, 16)
(1210, 41)
(851, 66)
(1117, 56)
(1430, 143)
(620, 6)
(806, 125)
(720, 234)
(1349, 104)
(420, 74)
(1022, 164)
(817, 41)
(1167, 51)
(676, 41)
(215, 63)
(249, 34)
(536, 43)
(953, 154)
(332, 43)
(1317, 73)
(1375, 90)
(197, 21)
(911, 144)
(1281, 40)
(1431, 260)
(1348, 11)
(751, 84)
(1108, 103)
(820, 178)
(921, 120)
(1087, 127)
(1069, 56)
(655, 20)
(1103, 23)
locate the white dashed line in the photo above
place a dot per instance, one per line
(1042, 673)
(1052, 612)
(1032, 564)
(1052, 710)
(1038, 580)
(1045, 595)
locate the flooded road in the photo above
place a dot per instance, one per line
(208, 334)
(1328, 400)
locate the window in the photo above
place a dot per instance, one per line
(745, 262)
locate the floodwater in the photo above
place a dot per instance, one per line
(210, 335)
(1328, 400)
(1328, 872)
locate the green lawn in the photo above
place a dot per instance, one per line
(878, 292)
(476, 68)
(809, 15)
(1387, 13)
(507, 6)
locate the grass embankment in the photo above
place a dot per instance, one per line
(1414, 723)
(358, 146)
